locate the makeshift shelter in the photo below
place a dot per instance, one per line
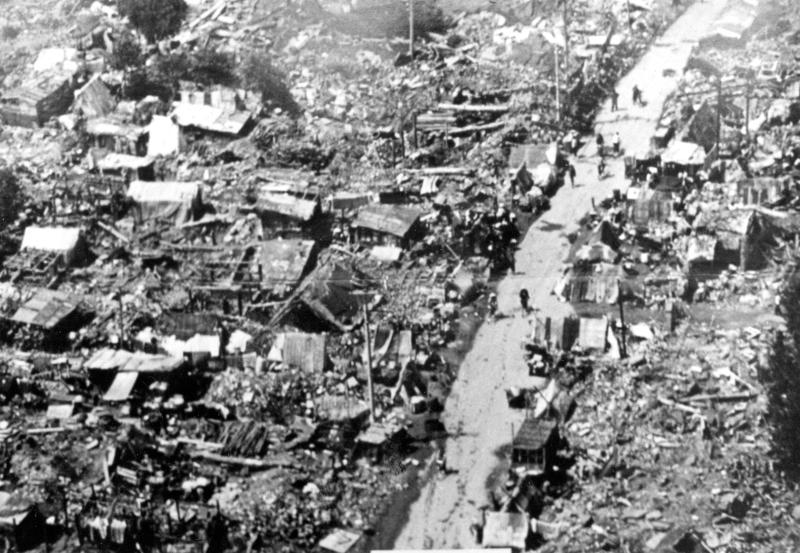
(123, 165)
(597, 284)
(21, 522)
(164, 137)
(116, 136)
(534, 446)
(210, 119)
(281, 264)
(47, 309)
(761, 190)
(285, 214)
(177, 201)
(388, 225)
(65, 243)
(93, 99)
(651, 206)
(681, 157)
(506, 530)
(38, 100)
(301, 350)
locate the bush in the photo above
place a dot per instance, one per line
(784, 379)
(209, 67)
(11, 199)
(127, 52)
(257, 73)
(155, 19)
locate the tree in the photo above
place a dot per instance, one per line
(127, 52)
(257, 73)
(11, 198)
(784, 378)
(155, 19)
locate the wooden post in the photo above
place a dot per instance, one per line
(719, 110)
(370, 388)
(411, 29)
(624, 352)
(239, 302)
(414, 124)
(558, 93)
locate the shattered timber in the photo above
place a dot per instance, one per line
(375, 275)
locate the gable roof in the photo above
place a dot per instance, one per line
(94, 99)
(389, 219)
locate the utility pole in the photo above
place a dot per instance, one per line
(719, 111)
(370, 388)
(624, 352)
(565, 15)
(558, 93)
(628, 14)
(411, 28)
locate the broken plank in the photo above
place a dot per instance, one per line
(721, 397)
(113, 232)
(477, 128)
(475, 108)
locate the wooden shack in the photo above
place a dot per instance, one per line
(534, 446)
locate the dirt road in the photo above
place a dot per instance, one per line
(477, 416)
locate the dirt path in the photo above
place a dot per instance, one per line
(477, 416)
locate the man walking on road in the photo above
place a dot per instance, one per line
(614, 99)
(571, 172)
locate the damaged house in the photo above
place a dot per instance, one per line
(287, 216)
(114, 135)
(178, 202)
(390, 225)
(45, 251)
(331, 297)
(281, 264)
(38, 100)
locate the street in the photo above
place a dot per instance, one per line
(477, 417)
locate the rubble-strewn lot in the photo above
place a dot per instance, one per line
(240, 263)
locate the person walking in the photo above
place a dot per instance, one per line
(637, 96)
(571, 172)
(600, 142)
(614, 100)
(616, 143)
(524, 298)
(601, 168)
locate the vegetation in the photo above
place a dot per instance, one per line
(10, 198)
(127, 52)
(257, 73)
(155, 19)
(784, 378)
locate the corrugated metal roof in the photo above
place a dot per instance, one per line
(390, 219)
(163, 191)
(306, 351)
(210, 118)
(121, 387)
(46, 309)
(288, 205)
(51, 239)
(534, 433)
(125, 361)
